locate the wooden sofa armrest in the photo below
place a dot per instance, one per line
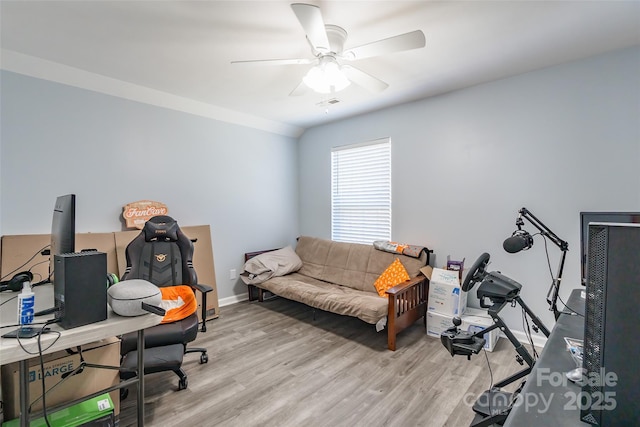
(252, 288)
(249, 255)
(407, 303)
(406, 284)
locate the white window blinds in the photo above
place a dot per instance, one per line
(361, 192)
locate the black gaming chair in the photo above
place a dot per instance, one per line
(162, 254)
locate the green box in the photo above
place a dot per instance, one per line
(93, 412)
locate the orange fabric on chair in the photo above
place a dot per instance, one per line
(179, 302)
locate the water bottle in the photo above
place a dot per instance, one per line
(26, 304)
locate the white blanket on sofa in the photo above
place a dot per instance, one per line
(270, 264)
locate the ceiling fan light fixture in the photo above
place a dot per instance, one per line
(326, 77)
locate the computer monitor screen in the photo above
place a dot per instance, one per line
(602, 217)
(63, 226)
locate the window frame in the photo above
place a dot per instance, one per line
(361, 213)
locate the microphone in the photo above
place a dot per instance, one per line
(519, 241)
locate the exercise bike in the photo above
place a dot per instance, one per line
(495, 292)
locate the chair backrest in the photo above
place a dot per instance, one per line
(161, 254)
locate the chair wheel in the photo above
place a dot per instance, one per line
(182, 384)
(204, 358)
(124, 392)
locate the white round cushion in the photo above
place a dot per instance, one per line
(126, 297)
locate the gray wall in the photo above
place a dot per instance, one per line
(557, 141)
(56, 139)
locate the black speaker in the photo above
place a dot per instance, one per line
(79, 288)
(611, 396)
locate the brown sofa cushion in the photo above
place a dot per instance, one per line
(366, 306)
(352, 265)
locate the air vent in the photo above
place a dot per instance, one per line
(331, 101)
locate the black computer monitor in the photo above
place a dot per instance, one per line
(601, 217)
(63, 226)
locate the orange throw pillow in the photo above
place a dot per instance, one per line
(392, 276)
(179, 302)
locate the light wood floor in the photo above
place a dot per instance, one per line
(273, 364)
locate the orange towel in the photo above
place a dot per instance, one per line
(179, 302)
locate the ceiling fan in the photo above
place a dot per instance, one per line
(327, 46)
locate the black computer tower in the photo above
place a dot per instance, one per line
(611, 396)
(80, 288)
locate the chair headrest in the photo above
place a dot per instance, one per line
(161, 227)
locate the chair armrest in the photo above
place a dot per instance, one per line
(406, 284)
(202, 288)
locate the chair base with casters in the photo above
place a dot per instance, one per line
(159, 357)
(204, 357)
(156, 359)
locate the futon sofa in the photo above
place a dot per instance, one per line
(339, 277)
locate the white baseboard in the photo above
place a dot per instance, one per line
(233, 299)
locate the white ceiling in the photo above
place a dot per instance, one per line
(184, 49)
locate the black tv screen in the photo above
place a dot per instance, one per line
(63, 226)
(604, 217)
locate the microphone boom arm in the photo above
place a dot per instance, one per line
(552, 294)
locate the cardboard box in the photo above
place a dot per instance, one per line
(202, 262)
(473, 320)
(21, 252)
(91, 380)
(437, 323)
(445, 294)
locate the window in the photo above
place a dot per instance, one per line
(361, 192)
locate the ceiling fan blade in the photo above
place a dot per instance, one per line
(310, 18)
(407, 41)
(365, 80)
(294, 61)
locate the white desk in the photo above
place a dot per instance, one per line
(10, 350)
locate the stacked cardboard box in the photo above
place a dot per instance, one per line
(446, 299)
(445, 294)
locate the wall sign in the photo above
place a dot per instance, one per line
(137, 213)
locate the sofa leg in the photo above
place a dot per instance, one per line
(391, 339)
(391, 322)
(251, 289)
